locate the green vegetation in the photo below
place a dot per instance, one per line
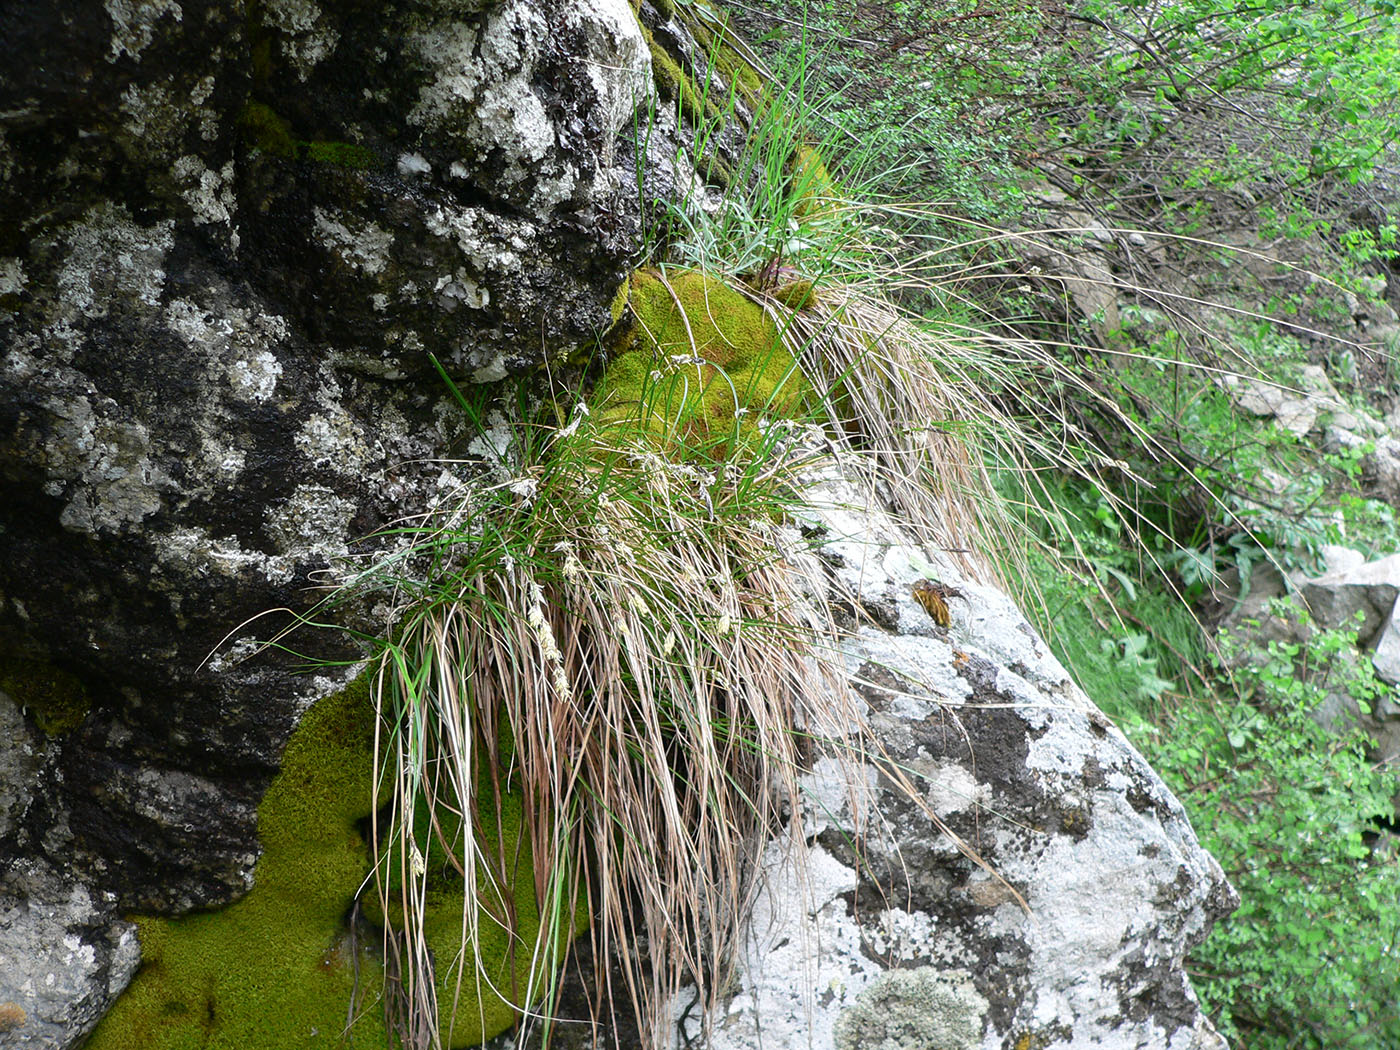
(265, 130)
(1310, 958)
(605, 617)
(1264, 125)
(552, 697)
(288, 965)
(722, 363)
(55, 698)
(613, 628)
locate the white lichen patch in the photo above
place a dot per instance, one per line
(134, 24)
(155, 121)
(203, 88)
(194, 552)
(330, 439)
(617, 64)
(312, 523)
(481, 92)
(461, 290)
(308, 41)
(950, 787)
(413, 164)
(222, 463)
(104, 467)
(106, 251)
(12, 277)
(477, 236)
(254, 374)
(491, 369)
(365, 247)
(915, 1009)
(209, 193)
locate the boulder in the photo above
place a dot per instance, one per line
(1071, 924)
(232, 239)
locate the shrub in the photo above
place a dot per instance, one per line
(1312, 957)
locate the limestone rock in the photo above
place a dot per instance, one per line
(62, 962)
(899, 939)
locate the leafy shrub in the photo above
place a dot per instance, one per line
(1312, 957)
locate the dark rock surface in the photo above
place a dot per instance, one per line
(231, 235)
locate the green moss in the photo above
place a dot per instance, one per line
(731, 64)
(344, 154)
(277, 969)
(795, 295)
(675, 85)
(266, 131)
(618, 306)
(810, 184)
(55, 698)
(743, 370)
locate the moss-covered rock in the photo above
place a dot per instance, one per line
(697, 364)
(280, 968)
(56, 699)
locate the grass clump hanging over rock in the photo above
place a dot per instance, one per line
(617, 636)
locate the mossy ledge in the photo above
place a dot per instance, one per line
(698, 362)
(279, 969)
(56, 699)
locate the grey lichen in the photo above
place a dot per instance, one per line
(922, 1009)
(133, 24)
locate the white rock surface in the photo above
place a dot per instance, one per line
(902, 941)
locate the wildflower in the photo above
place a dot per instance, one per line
(580, 411)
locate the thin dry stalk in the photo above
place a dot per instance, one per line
(636, 669)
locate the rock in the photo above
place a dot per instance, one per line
(1381, 470)
(1386, 655)
(230, 238)
(1351, 595)
(63, 960)
(900, 939)
(1359, 597)
(1296, 408)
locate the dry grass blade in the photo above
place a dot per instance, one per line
(634, 662)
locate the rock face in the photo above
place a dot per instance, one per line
(904, 941)
(232, 239)
(231, 235)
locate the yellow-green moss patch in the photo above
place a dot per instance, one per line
(699, 363)
(343, 154)
(277, 969)
(810, 185)
(55, 698)
(265, 130)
